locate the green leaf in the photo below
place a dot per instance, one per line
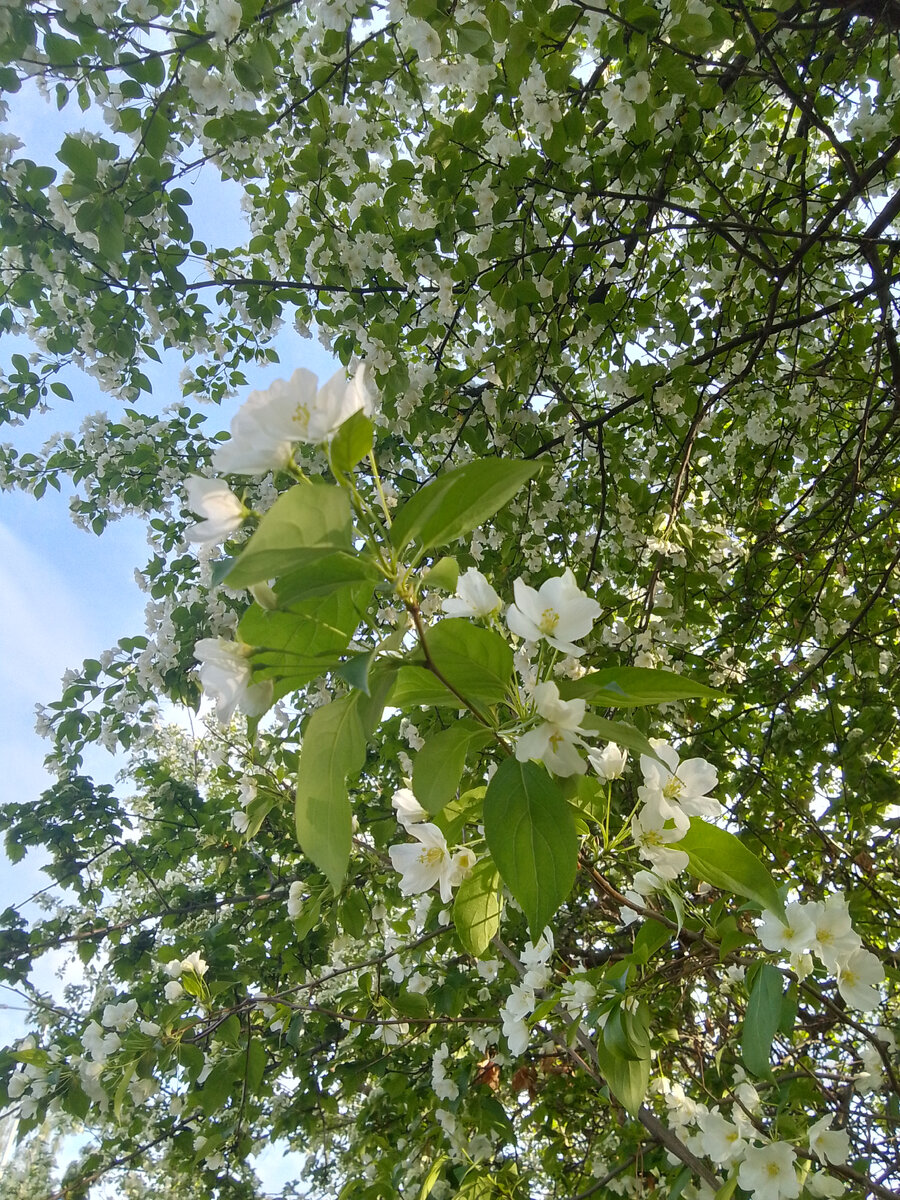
(459, 501)
(317, 629)
(477, 662)
(355, 670)
(439, 764)
(323, 575)
(477, 907)
(531, 835)
(627, 1078)
(305, 524)
(444, 574)
(334, 746)
(80, 158)
(718, 857)
(632, 687)
(762, 1019)
(352, 442)
(620, 732)
(432, 1177)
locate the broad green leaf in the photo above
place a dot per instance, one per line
(439, 764)
(355, 670)
(417, 686)
(620, 732)
(323, 575)
(627, 1078)
(531, 835)
(459, 501)
(353, 441)
(761, 1020)
(317, 627)
(307, 523)
(432, 1177)
(476, 909)
(477, 662)
(333, 747)
(718, 857)
(632, 687)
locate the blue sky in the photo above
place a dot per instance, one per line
(66, 594)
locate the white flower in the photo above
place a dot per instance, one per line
(461, 864)
(834, 938)
(172, 968)
(720, 1139)
(195, 963)
(829, 1145)
(792, 935)
(768, 1172)
(820, 1184)
(119, 1016)
(557, 611)
(173, 991)
(474, 597)
(554, 743)
(213, 499)
(409, 810)
(256, 445)
(653, 829)
(637, 88)
(226, 678)
(681, 784)
(99, 1044)
(423, 866)
(240, 822)
(609, 763)
(858, 977)
(223, 18)
(294, 410)
(295, 900)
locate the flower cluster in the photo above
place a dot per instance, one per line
(430, 862)
(523, 1000)
(269, 423)
(823, 928)
(672, 792)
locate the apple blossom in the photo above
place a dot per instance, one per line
(609, 763)
(227, 678)
(215, 501)
(768, 1172)
(474, 597)
(554, 742)
(295, 410)
(653, 830)
(679, 783)
(557, 611)
(833, 938)
(858, 977)
(829, 1145)
(409, 810)
(429, 863)
(792, 935)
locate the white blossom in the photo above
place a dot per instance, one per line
(557, 611)
(554, 742)
(227, 678)
(215, 501)
(768, 1172)
(829, 1145)
(426, 864)
(474, 597)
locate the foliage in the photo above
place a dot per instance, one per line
(618, 286)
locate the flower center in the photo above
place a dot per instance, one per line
(673, 788)
(549, 621)
(301, 415)
(430, 856)
(774, 1170)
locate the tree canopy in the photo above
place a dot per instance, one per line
(542, 842)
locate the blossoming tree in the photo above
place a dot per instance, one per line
(541, 843)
